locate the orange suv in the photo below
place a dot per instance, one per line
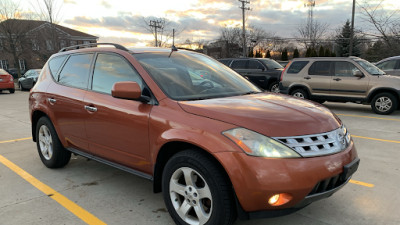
(212, 142)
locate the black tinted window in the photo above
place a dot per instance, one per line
(225, 61)
(55, 65)
(320, 68)
(110, 69)
(76, 71)
(297, 66)
(239, 64)
(253, 64)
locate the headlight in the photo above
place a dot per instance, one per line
(345, 140)
(255, 144)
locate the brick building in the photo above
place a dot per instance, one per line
(33, 42)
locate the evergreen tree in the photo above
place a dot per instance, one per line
(328, 52)
(251, 54)
(296, 53)
(268, 54)
(321, 52)
(313, 53)
(258, 54)
(308, 52)
(284, 56)
(343, 41)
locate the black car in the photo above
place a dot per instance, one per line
(14, 72)
(263, 72)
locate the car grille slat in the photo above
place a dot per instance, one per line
(316, 144)
(327, 185)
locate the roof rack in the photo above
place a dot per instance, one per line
(90, 45)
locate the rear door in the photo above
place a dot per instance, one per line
(65, 99)
(345, 84)
(117, 129)
(319, 78)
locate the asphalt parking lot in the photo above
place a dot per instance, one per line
(93, 193)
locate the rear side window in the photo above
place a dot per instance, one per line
(55, 65)
(322, 68)
(225, 61)
(110, 69)
(297, 66)
(76, 71)
(239, 64)
(255, 65)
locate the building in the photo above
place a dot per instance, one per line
(27, 44)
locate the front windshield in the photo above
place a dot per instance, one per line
(193, 76)
(272, 64)
(370, 68)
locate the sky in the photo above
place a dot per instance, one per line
(123, 21)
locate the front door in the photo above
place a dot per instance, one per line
(117, 129)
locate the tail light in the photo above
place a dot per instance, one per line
(284, 69)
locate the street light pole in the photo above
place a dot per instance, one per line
(352, 29)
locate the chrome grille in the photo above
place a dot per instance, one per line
(318, 144)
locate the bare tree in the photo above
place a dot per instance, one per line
(231, 35)
(13, 32)
(386, 22)
(164, 31)
(312, 32)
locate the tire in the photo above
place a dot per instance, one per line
(300, 93)
(12, 90)
(195, 184)
(51, 151)
(384, 103)
(20, 86)
(274, 87)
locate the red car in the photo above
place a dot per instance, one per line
(6, 81)
(215, 145)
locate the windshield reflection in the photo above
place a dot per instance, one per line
(193, 76)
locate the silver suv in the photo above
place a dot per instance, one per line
(349, 79)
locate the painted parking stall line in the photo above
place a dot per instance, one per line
(376, 139)
(62, 200)
(15, 140)
(361, 183)
(369, 117)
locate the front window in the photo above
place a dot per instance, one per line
(192, 76)
(370, 68)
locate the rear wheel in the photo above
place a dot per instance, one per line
(300, 93)
(274, 87)
(51, 151)
(196, 191)
(384, 103)
(12, 90)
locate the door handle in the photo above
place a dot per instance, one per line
(337, 79)
(51, 100)
(90, 108)
(307, 78)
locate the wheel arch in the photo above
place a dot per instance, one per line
(170, 149)
(36, 115)
(383, 90)
(299, 86)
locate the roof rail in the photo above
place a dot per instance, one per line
(90, 45)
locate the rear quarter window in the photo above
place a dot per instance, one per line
(55, 64)
(297, 66)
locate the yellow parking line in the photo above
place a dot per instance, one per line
(20, 139)
(369, 117)
(62, 200)
(361, 183)
(376, 139)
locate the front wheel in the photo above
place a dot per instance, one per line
(51, 151)
(300, 93)
(384, 103)
(196, 191)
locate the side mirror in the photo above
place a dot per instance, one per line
(358, 74)
(128, 90)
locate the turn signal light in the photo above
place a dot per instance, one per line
(279, 199)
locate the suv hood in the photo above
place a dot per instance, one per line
(273, 115)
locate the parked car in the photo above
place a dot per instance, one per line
(390, 65)
(29, 79)
(337, 79)
(6, 81)
(262, 72)
(213, 143)
(14, 72)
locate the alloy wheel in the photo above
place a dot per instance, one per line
(45, 142)
(383, 104)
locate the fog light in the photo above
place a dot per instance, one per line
(279, 199)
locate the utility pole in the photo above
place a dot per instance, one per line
(156, 25)
(310, 21)
(173, 37)
(352, 29)
(244, 8)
